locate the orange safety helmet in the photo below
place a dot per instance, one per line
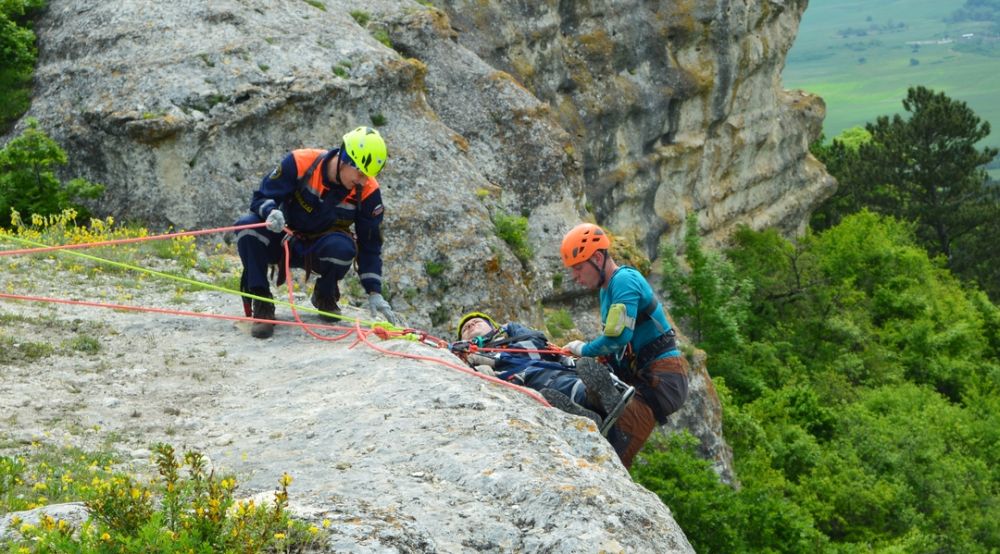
(581, 242)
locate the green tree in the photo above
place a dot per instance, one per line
(27, 181)
(861, 304)
(708, 298)
(17, 58)
(863, 408)
(928, 170)
(715, 517)
(841, 158)
(712, 305)
(904, 463)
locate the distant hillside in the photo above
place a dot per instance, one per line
(861, 57)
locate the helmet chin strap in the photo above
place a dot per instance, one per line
(600, 269)
(336, 174)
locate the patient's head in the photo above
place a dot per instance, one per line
(475, 324)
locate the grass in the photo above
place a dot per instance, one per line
(179, 257)
(557, 322)
(435, 268)
(361, 17)
(825, 62)
(382, 36)
(24, 339)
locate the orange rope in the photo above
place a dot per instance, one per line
(127, 241)
(362, 334)
(162, 311)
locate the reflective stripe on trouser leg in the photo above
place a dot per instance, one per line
(331, 256)
(258, 248)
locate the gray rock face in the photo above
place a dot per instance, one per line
(672, 107)
(638, 112)
(399, 454)
(643, 112)
(180, 108)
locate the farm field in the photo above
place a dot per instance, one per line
(861, 56)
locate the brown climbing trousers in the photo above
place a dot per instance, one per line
(661, 389)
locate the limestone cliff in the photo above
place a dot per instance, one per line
(672, 107)
(641, 112)
(635, 113)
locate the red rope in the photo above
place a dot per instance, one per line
(127, 241)
(162, 311)
(362, 334)
(386, 334)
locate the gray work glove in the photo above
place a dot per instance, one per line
(485, 370)
(476, 360)
(379, 305)
(275, 221)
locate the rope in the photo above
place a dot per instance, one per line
(69, 249)
(385, 333)
(379, 329)
(165, 311)
(115, 242)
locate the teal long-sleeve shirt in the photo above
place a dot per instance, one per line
(627, 286)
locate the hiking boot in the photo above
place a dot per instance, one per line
(601, 390)
(326, 304)
(262, 310)
(563, 402)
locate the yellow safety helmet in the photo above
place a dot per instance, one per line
(366, 149)
(472, 315)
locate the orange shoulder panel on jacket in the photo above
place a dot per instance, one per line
(370, 186)
(305, 158)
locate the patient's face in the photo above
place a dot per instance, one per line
(475, 327)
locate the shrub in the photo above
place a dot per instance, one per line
(27, 181)
(513, 230)
(558, 322)
(195, 512)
